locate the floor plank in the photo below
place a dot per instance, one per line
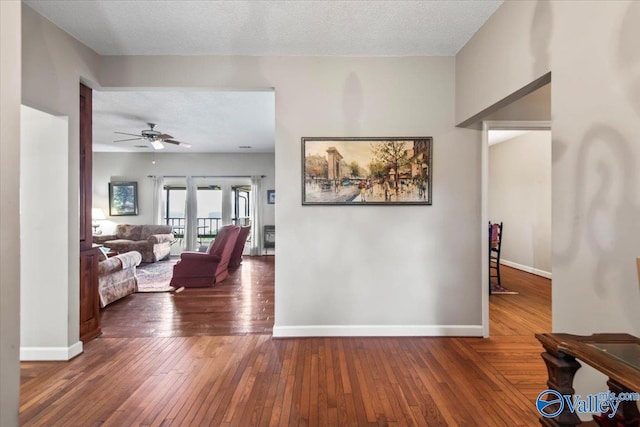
(156, 365)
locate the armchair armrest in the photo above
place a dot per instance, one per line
(199, 256)
(160, 238)
(104, 238)
(109, 265)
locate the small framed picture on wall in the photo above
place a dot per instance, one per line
(123, 198)
(271, 197)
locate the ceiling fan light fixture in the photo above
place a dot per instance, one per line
(154, 138)
(157, 144)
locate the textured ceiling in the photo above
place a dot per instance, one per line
(212, 121)
(222, 121)
(317, 28)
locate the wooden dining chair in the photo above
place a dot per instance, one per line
(495, 244)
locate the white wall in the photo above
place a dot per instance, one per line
(340, 270)
(53, 63)
(595, 152)
(356, 270)
(520, 198)
(10, 84)
(137, 167)
(44, 279)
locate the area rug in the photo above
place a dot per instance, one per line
(501, 290)
(156, 276)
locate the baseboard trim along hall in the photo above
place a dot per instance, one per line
(528, 269)
(378, 331)
(45, 354)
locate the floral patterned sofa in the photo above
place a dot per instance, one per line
(152, 241)
(117, 277)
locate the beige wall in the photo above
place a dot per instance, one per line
(9, 211)
(53, 63)
(339, 270)
(591, 50)
(595, 126)
(520, 198)
(536, 106)
(356, 270)
(511, 50)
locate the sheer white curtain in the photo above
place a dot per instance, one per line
(191, 216)
(256, 215)
(158, 203)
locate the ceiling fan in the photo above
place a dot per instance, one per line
(154, 137)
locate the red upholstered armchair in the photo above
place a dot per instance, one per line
(202, 269)
(236, 255)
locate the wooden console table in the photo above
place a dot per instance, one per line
(615, 355)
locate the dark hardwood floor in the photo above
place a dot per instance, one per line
(155, 365)
(241, 304)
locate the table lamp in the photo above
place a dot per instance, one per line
(97, 215)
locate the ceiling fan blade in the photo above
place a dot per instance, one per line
(163, 136)
(130, 139)
(130, 134)
(178, 143)
(157, 144)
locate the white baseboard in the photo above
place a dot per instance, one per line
(42, 354)
(526, 268)
(378, 331)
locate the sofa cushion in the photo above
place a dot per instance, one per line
(161, 238)
(149, 230)
(122, 245)
(129, 232)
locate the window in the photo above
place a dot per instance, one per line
(241, 204)
(209, 209)
(174, 210)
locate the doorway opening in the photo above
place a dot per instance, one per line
(230, 157)
(516, 191)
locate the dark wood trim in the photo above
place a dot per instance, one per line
(86, 166)
(89, 304)
(562, 350)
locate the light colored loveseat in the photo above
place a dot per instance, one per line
(117, 277)
(152, 241)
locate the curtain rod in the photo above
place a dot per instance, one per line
(206, 176)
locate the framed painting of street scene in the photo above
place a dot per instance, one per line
(367, 171)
